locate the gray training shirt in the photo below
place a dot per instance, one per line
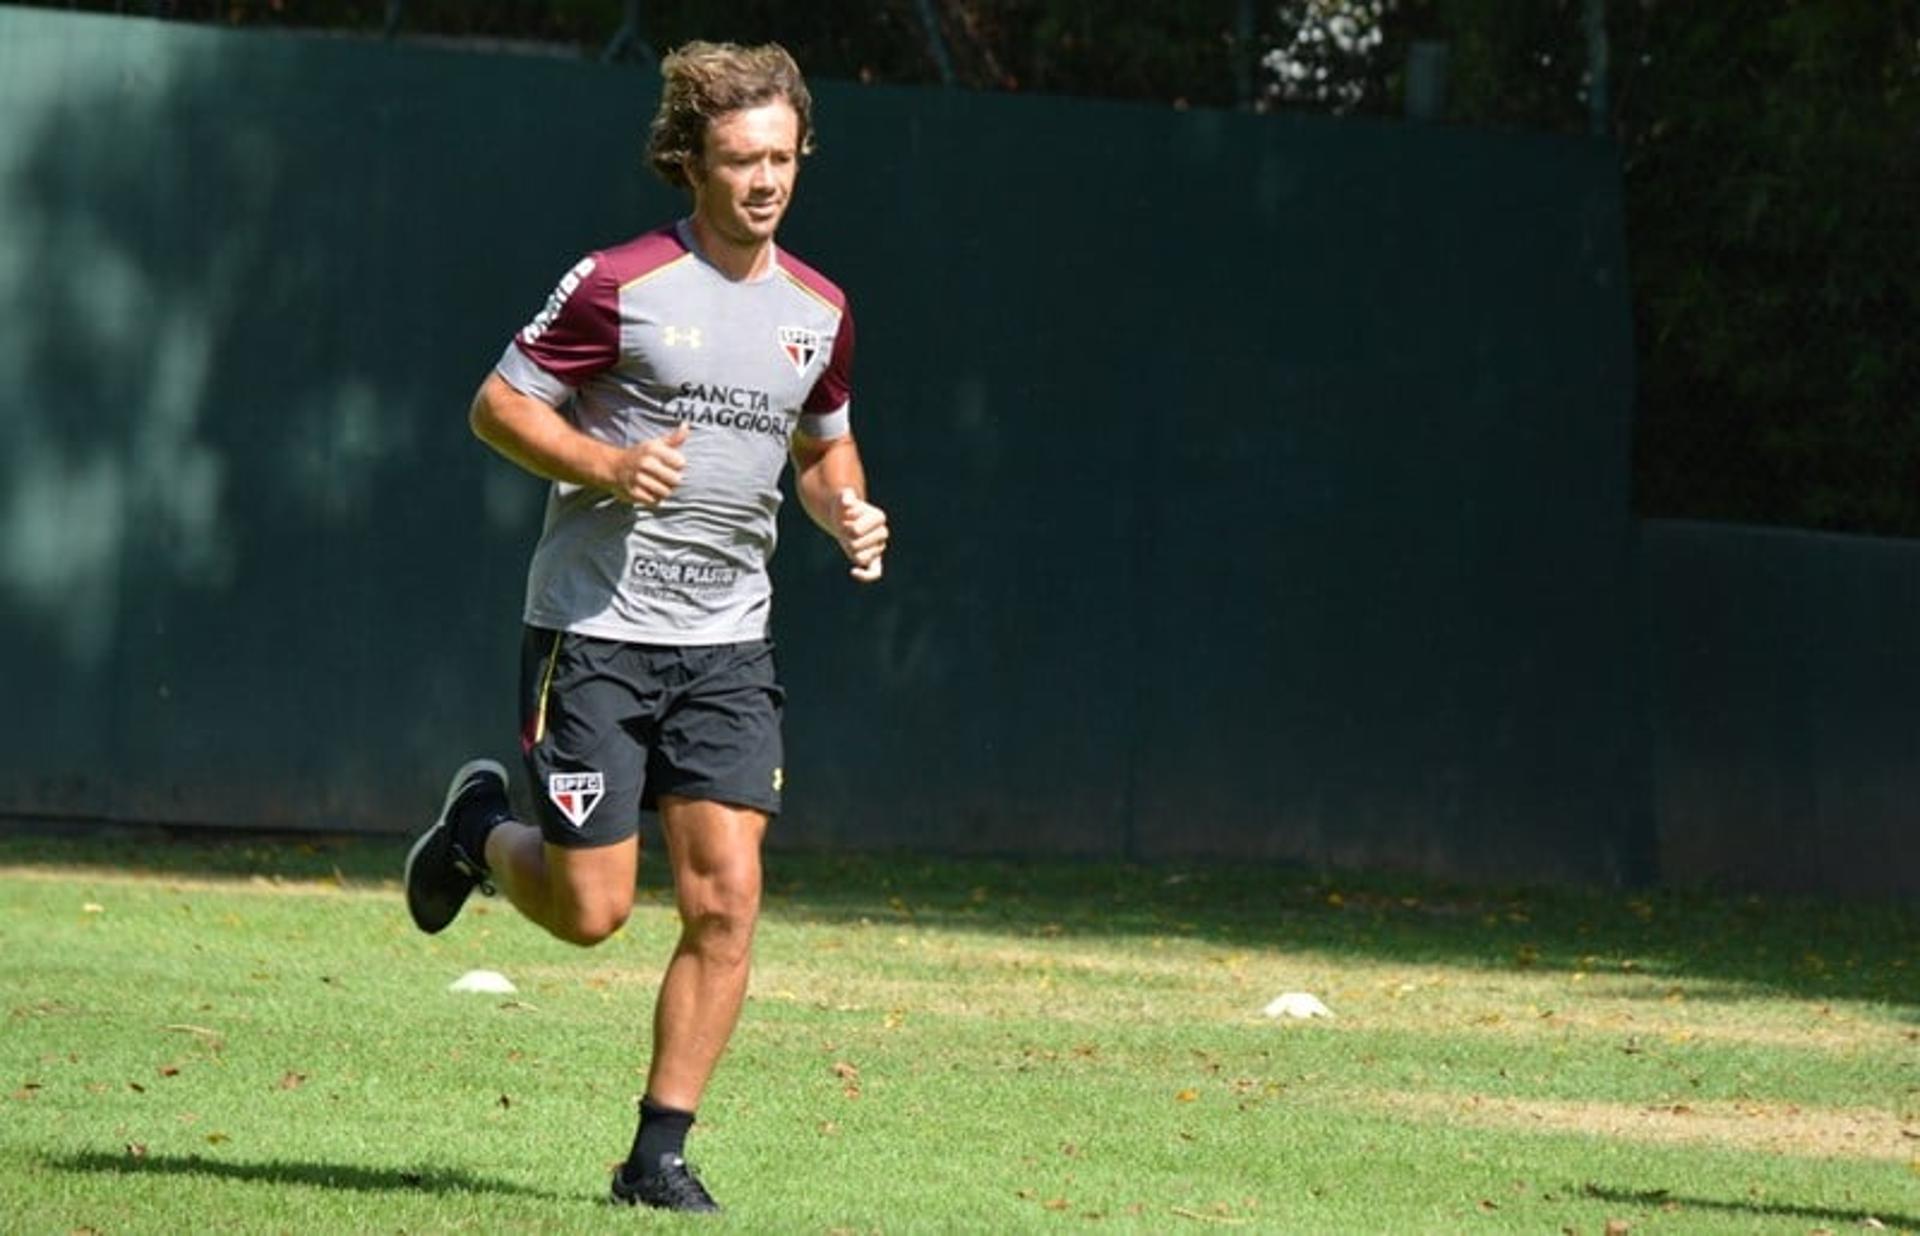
(635, 340)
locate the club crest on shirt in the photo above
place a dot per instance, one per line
(801, 346)
(576, 794)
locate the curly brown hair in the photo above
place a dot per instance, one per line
(702, 81)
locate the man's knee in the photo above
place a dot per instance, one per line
(589, 925)
(590, 891)
(719, 917)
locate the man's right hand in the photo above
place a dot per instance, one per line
(645, 473)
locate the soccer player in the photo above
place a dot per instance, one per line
(662, 390)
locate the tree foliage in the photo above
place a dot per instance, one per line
(1772, 160)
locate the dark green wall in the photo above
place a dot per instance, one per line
(1259, 483)
(1785, 676)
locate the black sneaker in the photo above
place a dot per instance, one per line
(440, 874)
(670, 1186)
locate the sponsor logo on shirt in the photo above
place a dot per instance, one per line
(576, 794)
(730, 407)
(569, 284)
(801, 346)
(679, 575)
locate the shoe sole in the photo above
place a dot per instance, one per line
(460, 776)
(632, 1200)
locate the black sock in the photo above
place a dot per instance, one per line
(663, 1130)
(475, 818)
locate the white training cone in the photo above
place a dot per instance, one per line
(1297, 1004)
(488, 982)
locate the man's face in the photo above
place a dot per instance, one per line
(743, 179)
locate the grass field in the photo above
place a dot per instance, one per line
(249, 1036)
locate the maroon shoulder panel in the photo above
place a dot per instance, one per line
(815, 282)
(577, 333)
(835, 384)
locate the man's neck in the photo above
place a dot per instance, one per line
(735, 261)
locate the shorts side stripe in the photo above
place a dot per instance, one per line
(538, 730)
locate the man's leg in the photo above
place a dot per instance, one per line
(580, 895)
(581, 892)
(714, 849)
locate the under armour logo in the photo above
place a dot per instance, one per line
(675, 336)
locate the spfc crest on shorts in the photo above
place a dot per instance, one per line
(576, 794)
(801, 346)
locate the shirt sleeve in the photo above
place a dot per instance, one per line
(824, 415)
(575, 336)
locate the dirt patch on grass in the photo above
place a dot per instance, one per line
(1779, 1128)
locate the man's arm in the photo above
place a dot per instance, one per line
(832, 486)
(535, 436)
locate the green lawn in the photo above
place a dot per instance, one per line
(249, 1036)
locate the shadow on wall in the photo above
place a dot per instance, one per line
(248, 552)
(1310, 545)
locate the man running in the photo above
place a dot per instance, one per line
(662, 389)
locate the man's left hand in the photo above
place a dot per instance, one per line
(861, 529)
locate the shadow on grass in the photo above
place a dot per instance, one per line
(341, 1176)
(1662, 1198)
(1714, 946)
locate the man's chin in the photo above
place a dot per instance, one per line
(761, 227)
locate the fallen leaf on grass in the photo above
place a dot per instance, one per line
(1186, 1096)
(211, 1038)
(169, 1070)
(1056, 1203)
(1618, 1227)
(293, 1081)
(1201, 1216)
(136, 1150)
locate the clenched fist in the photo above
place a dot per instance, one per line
(861, 529)
(646, 472)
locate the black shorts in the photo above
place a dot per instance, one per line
(608, 727)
